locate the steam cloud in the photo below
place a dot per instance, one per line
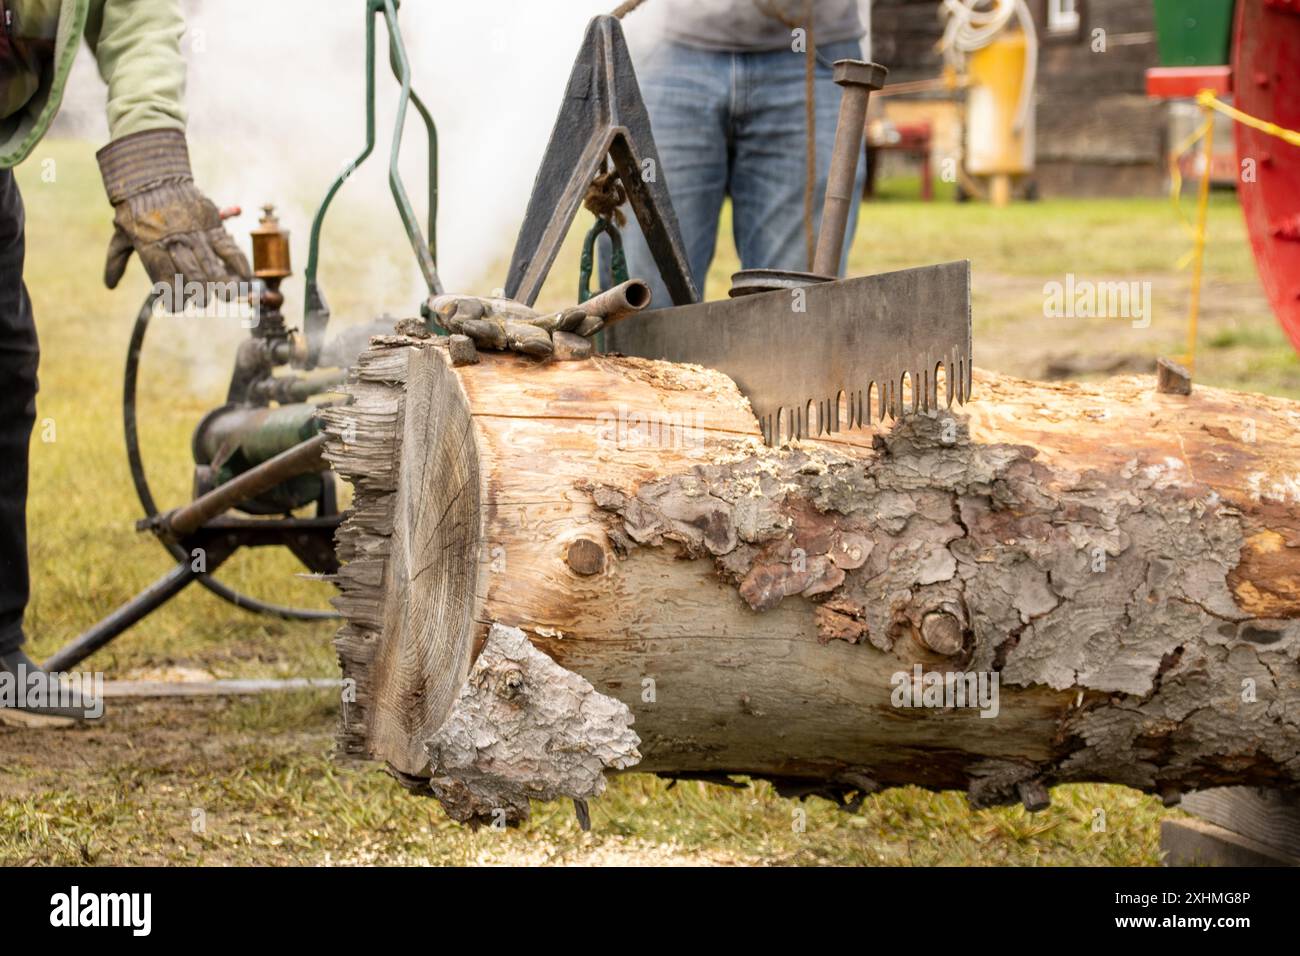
(276, 95)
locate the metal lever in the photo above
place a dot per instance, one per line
(858, 78)
(316, 311)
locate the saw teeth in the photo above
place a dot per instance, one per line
(874, 404)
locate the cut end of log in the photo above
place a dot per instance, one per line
(409, 588)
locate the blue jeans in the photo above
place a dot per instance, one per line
(735, 124)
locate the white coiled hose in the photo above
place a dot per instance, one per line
(974, 24)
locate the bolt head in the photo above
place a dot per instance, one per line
(860, 73)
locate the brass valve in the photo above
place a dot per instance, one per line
(270, 247)
(271, 266)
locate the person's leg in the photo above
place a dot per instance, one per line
(18, 360)
(771, 143)
(687, 93)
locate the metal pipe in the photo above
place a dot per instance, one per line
(617, 303)
(141, 482)
(291, 389)
(858, 78)
(299, 460)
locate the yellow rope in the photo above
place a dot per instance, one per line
(1204, 134)
(1176, 181)
(1196, 231)
(1202, 212)
(1209, 101)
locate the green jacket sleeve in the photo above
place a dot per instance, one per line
(137, 44)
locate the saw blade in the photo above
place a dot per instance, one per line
(828, 356)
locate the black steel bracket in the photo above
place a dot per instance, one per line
(602, 117)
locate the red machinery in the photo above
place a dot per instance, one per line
(1264, 81)
(1266, 84)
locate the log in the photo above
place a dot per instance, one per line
(557, 569)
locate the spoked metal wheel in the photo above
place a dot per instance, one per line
(326, 506)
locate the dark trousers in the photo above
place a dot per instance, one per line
(19, 355)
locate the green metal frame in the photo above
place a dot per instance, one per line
(316, 311)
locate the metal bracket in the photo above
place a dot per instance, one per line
(602, 116)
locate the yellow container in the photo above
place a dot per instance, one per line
(993, 144)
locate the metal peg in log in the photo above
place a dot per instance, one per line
(858, 78)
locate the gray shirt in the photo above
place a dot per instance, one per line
(741, 25)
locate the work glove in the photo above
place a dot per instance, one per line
(158, 213)
(504, 324)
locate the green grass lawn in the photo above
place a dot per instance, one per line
(251, 782)
(258, 773)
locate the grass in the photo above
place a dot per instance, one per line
(258, 773)
(252, 782)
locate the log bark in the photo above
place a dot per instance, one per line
(1114, 568)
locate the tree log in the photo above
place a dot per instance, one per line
(1055, 583)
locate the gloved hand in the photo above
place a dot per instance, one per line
(504, 324)
(158, 213)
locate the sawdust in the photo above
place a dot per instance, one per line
(170, 673)
(674, 377)
(611, 851)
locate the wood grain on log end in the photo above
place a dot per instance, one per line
(408, 590)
